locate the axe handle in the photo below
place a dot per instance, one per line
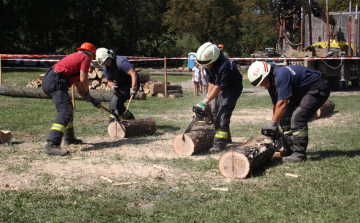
(127, 107)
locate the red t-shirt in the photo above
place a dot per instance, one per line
(73, 64)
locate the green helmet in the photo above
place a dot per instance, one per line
(102, 54)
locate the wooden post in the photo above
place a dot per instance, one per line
(0, 72)
(165, 77)
(349, 46)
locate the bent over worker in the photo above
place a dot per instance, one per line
(72, 69)
(122, 80)
(296, 92)
(225, 83)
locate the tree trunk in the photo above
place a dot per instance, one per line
(325, 109)
(240, 162)
(194, 141)
(133, 127)
(5, 136)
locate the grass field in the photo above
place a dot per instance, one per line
(35, 187)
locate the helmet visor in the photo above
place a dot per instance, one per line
(103, 60)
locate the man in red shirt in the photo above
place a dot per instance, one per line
(72, 69)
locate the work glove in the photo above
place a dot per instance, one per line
(113, 89)
(202, 105)
(133, 91)
(87, 97)
(95, 102)
(272, 125)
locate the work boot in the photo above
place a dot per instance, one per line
(285, 152)
(72, 141)
(295, 157)
(52, 148)
(217, 149)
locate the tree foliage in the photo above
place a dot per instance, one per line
(141, 27)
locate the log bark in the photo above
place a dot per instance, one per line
(143, 77)
(325, 109)
(157, 88)
(134, 127)
(101, 95)
(5, 136)
(198, 139)
(174, 87)
(240, 162)
(176, 95)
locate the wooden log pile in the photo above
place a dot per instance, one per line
(154, 88)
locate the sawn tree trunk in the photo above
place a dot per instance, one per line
(133, 127)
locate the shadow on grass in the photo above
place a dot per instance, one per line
(106, 145)
(319, 155)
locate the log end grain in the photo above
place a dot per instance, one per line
(234, 164)
(5, 136)
(115, 129)
(184, 147)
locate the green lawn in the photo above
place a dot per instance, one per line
(327, 190)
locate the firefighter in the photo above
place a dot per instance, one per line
(225, 83)
(72, 69)
(222, 49)
(296, 92)
(122, 80)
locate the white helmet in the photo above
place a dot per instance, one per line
(207, 54)
(102, 54)
(258, 71)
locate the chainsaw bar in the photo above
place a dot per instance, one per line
(189, 127)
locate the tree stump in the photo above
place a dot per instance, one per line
(5, 136)
(133, 127)
(240, 162)
(194, 141)
(325, 109)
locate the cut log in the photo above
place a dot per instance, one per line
(42, 76)
(198, 139)
(92, 75)
(146, 90)
(143, 77)
(100, 75)
(134, 127)
(95, 83)
(240, 162)
(157, 88)
(5, 136)
(104, 80)
(174, 87)
(176, 95)
(325, 109)
(149, 95)
(140, 95)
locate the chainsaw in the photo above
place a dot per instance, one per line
(200, 118)
(277, 136)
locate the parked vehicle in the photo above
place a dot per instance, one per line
(20, 63)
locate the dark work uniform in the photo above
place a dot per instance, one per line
(119, 73)
(307, 91)
(56, 84)
(224, 73)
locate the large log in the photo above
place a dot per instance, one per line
(183, 73)
(157, 88)
(101, 95)
(133, 127)
(143, 77)
(240, 162)
(174, 87)
(198, 139)
(5, 136)
(325, 109)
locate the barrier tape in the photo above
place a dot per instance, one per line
(134, 58)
